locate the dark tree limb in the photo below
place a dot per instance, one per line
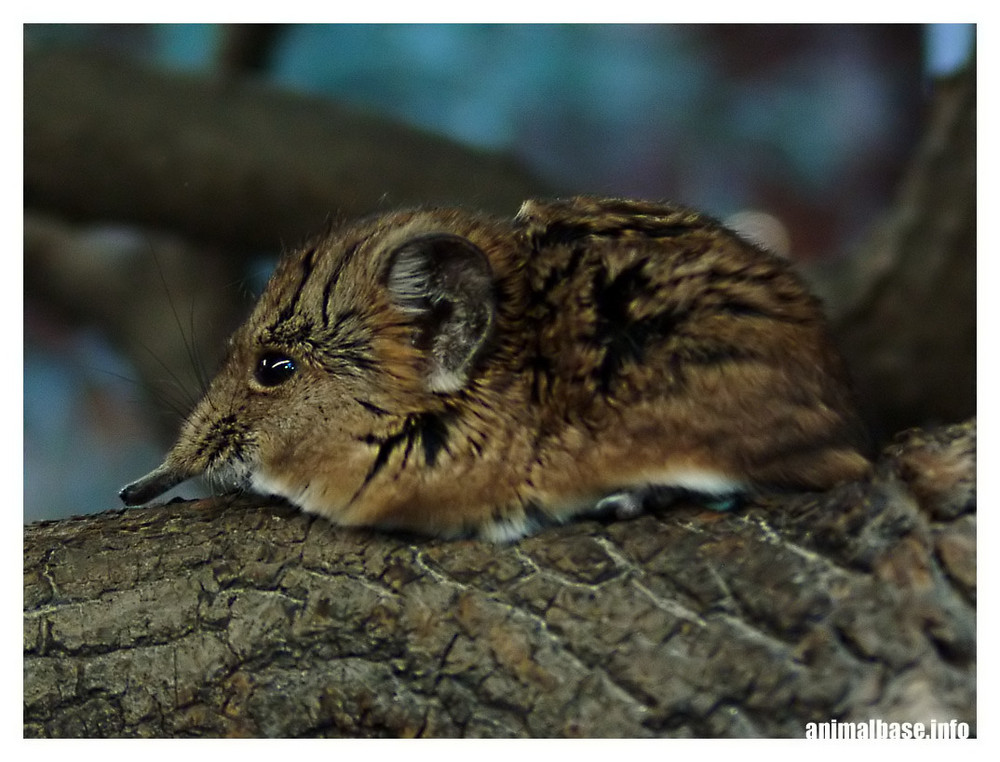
(247, 47)
(230, 160)
(229, 617)
(904, 306)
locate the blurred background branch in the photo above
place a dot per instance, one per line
(228, 159)
(905, 303)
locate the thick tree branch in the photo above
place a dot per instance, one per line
(231, 161)
(905, 305)
(225, 617)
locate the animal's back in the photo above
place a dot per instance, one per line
(671, 351)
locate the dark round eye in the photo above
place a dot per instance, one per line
(274, 368)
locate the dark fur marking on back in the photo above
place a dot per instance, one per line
(624, 338)
(560, 273)
(556, 233)
(540, 368)
(741, 308)
(702, 354)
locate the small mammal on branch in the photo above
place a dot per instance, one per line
(451, 373)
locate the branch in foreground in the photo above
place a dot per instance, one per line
(229, 617)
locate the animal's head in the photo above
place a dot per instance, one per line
(352, 336)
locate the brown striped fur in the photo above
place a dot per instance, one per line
(608, 346)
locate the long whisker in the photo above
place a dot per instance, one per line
(201, 372)
(188, 343)
(183, 392)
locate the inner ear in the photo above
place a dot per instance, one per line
(444, 281)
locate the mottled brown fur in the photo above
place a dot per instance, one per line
(615, 345)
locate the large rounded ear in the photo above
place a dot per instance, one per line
(444, 281)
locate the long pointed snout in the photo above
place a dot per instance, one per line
(153, 484)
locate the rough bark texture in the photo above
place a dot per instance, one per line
(228, 617)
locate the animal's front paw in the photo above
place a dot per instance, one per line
(627, 504)
(624, 505)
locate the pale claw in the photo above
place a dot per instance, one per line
(625, 505)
